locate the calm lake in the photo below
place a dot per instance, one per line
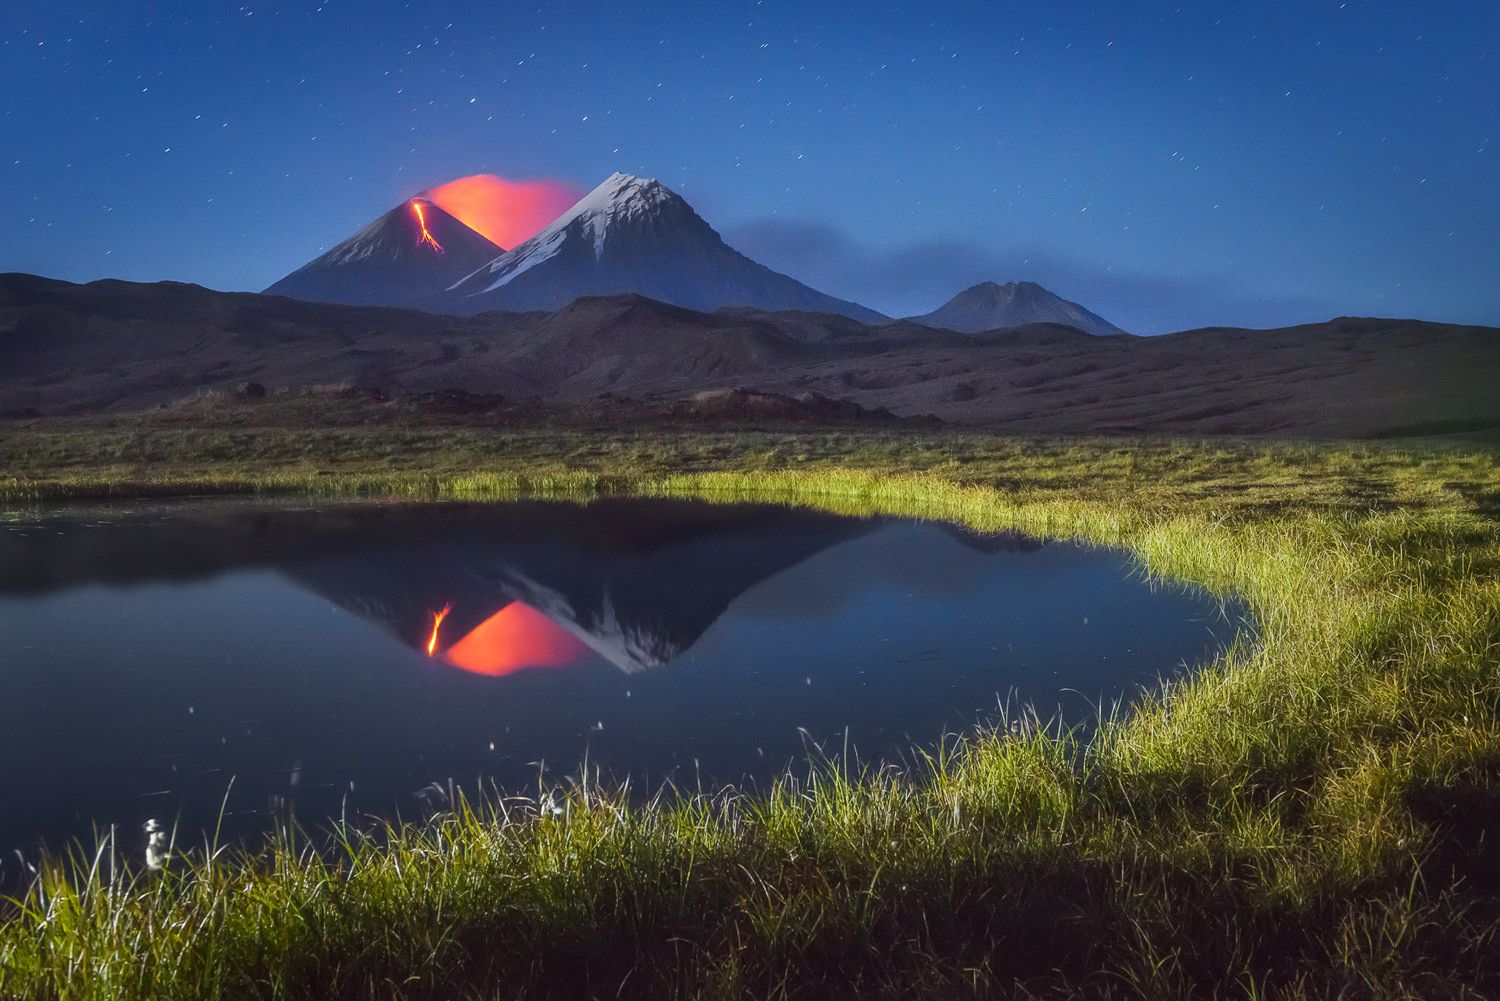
(179, 661)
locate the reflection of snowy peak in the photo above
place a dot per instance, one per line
(402, 258)
(623, 206)
(634, 588)
(630, 647)
(637, 582)
(634, 234)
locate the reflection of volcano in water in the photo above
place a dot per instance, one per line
(541, 585)
(277, 659)
(513, 639)
(526, 584)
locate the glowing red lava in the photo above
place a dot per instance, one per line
(502, 211)
(427, 239)
(437, 622)
(513, 639)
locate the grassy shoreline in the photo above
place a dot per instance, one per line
(1312, 816)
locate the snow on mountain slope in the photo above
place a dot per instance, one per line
(634, 234)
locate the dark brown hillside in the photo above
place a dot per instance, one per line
(68, 348)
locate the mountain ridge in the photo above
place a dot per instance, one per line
(628, 234)
(121, 346)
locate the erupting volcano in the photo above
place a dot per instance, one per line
(426, 239)
(403, 258)
(441, 252)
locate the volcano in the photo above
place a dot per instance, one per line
(633, 234)
(988, 306)
(401, 259)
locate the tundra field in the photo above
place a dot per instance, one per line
(1313, 815)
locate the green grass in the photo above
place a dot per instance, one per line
(1314, 815)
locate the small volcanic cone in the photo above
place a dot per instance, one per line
(405, 258)
(988, 306)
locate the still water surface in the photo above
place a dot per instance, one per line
(340, 659)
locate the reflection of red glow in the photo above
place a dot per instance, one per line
(427, 239)
(437, 621)
(514, 638)
(504, 212)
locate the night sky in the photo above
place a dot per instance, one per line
(1168, 165)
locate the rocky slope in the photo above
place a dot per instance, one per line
(989, 306)
(68, 348)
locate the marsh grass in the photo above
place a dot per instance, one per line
(1312, 815)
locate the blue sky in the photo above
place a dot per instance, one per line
(1168, 165)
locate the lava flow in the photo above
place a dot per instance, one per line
(427, 238)
(437, 622)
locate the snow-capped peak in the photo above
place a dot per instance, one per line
(634, 234)
(621, 200)
(622, 196)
